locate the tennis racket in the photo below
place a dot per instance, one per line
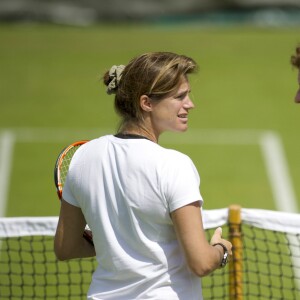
(60, 173)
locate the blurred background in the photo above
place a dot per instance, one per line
(53, 54)
(83, 13)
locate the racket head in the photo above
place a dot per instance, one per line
(62, 165)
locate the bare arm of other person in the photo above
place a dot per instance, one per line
(69, 242)
(201, 256)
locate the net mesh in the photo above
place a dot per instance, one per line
(271, 267)
(29, 270)
(270, 260)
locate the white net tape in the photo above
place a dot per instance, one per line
(272, 220)
(27, 226)
(264, 219)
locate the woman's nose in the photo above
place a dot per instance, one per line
(188, 103)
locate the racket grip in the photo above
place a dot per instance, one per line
(88, 235)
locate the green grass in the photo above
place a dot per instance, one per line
(50, 77)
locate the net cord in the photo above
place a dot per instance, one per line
(264, 219)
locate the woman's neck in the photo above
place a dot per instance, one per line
(139, 130)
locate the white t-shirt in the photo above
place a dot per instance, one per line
(126, 189)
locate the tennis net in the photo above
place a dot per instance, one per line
(265, 263)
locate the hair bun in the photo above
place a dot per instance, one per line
(115, 75)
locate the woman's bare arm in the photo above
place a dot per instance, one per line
(202, 257)
(69, 242)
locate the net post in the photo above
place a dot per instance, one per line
(236, 263)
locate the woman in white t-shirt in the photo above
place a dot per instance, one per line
(141, 201)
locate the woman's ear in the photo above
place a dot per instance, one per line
(145, 103)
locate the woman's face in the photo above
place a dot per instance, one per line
(171, 113)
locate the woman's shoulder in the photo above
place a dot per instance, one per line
(93, 145)
(98, 140)
(175, 156)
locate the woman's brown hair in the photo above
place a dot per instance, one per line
(155, 74)
(295, 59)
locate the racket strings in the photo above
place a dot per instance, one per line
(65, 163)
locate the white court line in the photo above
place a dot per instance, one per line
(269, 142)
(6, 152)
(277, 169)
(214, 137)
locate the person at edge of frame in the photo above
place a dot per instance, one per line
(295, 61)
(142, 201)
